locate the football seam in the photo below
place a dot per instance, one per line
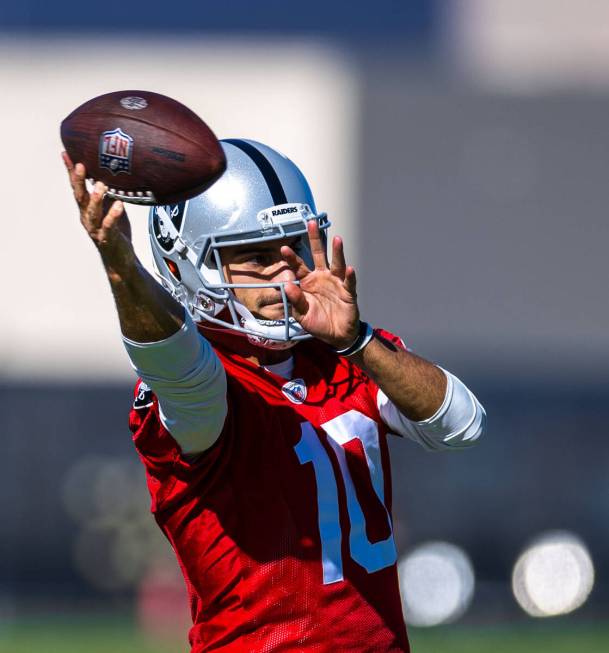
(151, 124)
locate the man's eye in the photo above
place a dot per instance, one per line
(258, 258)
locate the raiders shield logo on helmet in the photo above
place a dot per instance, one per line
(163, 232)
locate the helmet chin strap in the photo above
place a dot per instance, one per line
(270, 334)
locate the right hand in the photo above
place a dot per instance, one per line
(105, 221)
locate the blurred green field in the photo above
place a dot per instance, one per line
(102, 635)
(530, 637)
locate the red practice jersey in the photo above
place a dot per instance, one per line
(283, 527)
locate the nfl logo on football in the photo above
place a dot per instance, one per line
(115, 150)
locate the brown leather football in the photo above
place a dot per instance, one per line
(146, 147)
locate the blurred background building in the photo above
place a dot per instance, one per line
(461, 150)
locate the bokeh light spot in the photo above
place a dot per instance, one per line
(553, 576)
(437, 582)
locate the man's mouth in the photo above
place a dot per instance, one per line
(264, 303)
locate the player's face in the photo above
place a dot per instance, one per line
(259, 263)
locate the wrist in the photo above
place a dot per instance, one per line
(364, 336)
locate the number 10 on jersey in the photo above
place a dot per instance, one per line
(372, 556)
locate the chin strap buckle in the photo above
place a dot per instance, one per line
(181, 247)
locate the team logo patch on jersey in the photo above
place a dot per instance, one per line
(143, 398)
(295, 390)
(115, 151)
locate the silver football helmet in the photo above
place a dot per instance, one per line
(262, 196)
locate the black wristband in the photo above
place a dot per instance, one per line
(365, 335)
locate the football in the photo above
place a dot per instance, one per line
(146, 147)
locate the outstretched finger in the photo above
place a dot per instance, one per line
(350, 282)
(317, 249)
(297, 300)
(339, 266)
(297, 265)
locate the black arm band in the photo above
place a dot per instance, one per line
(365, 335)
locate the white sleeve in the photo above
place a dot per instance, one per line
(457, 424)
(190, 383)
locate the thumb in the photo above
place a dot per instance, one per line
(113, 215)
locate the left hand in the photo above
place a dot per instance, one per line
(325, 302)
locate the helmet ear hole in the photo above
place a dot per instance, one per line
(173, 268)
